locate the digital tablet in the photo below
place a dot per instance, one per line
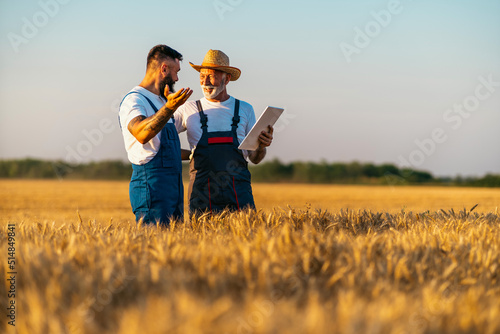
(268, 117)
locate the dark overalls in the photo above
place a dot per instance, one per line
(156, 189)
(219, 176)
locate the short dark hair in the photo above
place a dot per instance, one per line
(160, 52)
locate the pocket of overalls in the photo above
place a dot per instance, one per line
(221, 159)
(139, 195)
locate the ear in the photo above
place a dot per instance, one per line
(163, 68)
(228, 78)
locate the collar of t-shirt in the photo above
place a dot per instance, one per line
(225, 104)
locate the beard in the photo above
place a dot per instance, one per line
(167, 82)
(215, 90)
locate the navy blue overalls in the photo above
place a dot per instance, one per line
(219, 176)
(156, 189)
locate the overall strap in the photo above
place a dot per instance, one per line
(203, 116)
(149, 101)
(236, 117)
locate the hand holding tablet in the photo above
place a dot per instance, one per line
(268, 118)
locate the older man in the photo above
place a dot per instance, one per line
(151, 139)
(216, 124)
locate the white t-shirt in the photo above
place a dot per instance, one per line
(136, 105)
(220, 117)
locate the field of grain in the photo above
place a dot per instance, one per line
(312, 259)
(58, 201)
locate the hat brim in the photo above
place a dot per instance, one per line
(235, 72)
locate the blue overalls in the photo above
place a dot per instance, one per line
(219, 176)
(156, 189)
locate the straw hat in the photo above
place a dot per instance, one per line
(218, 60)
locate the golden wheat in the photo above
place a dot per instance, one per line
(280, 270)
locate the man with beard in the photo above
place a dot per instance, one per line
(216, 125)
(151, 139)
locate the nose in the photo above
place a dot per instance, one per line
(205, 81)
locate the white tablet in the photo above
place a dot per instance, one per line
(268, 118)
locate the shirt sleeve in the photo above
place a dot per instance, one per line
(251, 120)
(180, 125)
(131, 107)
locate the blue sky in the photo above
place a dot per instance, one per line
(392, 101)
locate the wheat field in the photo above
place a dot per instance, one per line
(311, 259)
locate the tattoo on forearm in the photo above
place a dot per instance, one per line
(159, 121)
(134, 121)
(156, 123)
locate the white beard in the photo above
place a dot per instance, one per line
(216, 90)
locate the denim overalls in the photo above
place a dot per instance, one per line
(219, 176)
(156, 189)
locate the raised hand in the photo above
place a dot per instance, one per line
(175, 100)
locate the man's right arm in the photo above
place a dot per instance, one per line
(145, 128)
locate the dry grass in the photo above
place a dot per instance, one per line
(273, 271)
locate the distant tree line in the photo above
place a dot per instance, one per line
(270, 171)
(42, 169)
(354, 172)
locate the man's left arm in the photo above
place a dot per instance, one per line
(265, 140)
(185, 154)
